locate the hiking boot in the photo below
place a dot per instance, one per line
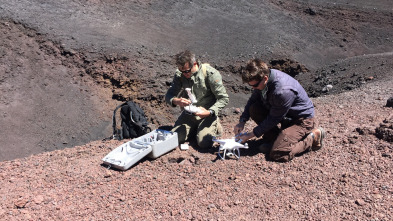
(318, 135)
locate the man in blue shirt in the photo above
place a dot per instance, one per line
(279, 99)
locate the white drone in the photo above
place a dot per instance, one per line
(229, 147)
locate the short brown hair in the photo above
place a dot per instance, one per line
(255, 69)
(185, 57)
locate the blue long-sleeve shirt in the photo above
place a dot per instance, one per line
(285, 97)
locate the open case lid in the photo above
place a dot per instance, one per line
(127, 154)
(153, 144)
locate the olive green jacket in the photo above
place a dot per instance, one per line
(207, 88)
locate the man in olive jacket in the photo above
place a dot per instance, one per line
(206, 85)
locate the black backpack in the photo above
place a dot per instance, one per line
(133, 121)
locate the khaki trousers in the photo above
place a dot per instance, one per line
(291, 139)
(205, 129)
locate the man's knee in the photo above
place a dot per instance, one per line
(207, 131)
(205, 141)
(181, 131)
(280, 156)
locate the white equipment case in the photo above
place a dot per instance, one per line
(153, 145)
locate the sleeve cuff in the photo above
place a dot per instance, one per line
(243, 120)
(256, 132)
(171, 100)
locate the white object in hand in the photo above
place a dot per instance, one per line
(191, 96)
(192, 109)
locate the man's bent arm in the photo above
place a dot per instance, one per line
(219, 91)
(173, 90)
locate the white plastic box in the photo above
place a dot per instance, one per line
(153, 145)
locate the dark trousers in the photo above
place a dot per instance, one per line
(289, 139)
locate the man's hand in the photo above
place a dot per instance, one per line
(244, 137)
(182, 102)
(239, 128)
(203, 113)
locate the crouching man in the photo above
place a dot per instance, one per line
(206, 85)
(278, 98)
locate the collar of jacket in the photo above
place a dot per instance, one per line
(266, 89)
(199, 68)
(272, 75)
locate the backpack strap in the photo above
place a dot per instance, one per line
(114, 121)
(204, 65)
(133, 121)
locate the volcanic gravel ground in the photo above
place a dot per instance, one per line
(349, 179)
(66, 64)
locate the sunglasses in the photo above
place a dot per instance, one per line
(186, 71)
(255, 85)
(189, 70)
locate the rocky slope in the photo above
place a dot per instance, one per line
(65, 65)
(349, 179)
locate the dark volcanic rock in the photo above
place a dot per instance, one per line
(389, 102)
(385, 130)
